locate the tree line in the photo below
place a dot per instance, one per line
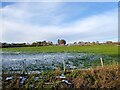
(34, 44)
(60, 42)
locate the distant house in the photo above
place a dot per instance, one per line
(109, 42)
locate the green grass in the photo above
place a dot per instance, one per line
(98, 49)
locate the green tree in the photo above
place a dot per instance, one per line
(61, 42)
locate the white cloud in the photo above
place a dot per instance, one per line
(19, 26)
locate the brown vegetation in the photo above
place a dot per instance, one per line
(102, 77)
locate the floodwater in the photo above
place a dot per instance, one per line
(14, 61)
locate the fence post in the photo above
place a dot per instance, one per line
(101, 62)
(23, 68)
(64, 66)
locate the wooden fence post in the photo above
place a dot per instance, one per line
(23, 68)
(101, 62)
(64, 66)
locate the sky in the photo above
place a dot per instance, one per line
(50, 21)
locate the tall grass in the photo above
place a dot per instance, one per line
(102, 77)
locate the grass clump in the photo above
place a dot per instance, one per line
(103, 77)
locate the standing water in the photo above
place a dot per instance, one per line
(13, 61)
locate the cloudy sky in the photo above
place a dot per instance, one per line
(72, 21)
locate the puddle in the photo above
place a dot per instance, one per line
(14, 61)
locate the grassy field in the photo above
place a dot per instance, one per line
(98, 49)
(99, 77)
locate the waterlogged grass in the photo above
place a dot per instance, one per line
(98, 49)
(98, 77)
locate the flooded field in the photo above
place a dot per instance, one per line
(56, 70)
(37, 62)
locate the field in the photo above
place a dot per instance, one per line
(111, 50)
(48, 60)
